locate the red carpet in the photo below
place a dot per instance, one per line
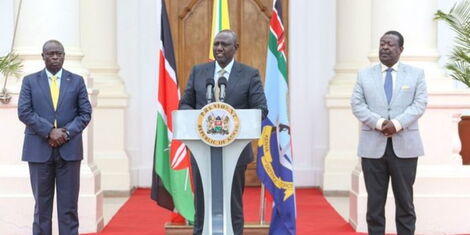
(141, 216)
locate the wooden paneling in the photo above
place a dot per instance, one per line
(190, 22)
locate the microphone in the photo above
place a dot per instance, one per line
(222, 83)
(209, 87)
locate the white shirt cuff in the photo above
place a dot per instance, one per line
(397, 125)
(379, 124)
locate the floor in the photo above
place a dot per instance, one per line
(112, 205)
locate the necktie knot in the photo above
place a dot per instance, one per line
(221, 72)
(54, 78)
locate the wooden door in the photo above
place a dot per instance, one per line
(190, 22)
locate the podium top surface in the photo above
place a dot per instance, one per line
(185, 124)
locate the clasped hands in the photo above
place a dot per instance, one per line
(388, 129)
(57, 137)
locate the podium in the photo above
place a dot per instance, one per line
(216, 135)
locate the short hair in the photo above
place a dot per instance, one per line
(234, 35)
(52, 41)
(401, 41)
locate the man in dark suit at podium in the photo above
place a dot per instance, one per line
(244, 91)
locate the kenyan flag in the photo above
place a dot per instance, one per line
(171, 182)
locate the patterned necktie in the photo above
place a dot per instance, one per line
(217, 88)
(388, 85)
(54, 94)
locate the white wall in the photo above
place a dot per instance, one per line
(312, 40)
(138, 33)
(6, 25)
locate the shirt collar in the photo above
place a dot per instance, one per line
(227, 68)
(384, 68)
(58, 74)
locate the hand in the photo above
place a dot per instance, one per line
(384, 123)
(52, 143)
(57, 137)
(388, 129)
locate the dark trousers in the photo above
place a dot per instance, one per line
(236, 200)
(402, 172)
(44, 177)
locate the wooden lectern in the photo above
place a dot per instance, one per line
(216, 135)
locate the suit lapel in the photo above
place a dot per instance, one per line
(209, 71)
(232, 79)
(378, 80)
(401, 76)
(43, 82)
(64, 86)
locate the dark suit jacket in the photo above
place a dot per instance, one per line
(36, 111)
(244, 91)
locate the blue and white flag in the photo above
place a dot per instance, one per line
(274, 160)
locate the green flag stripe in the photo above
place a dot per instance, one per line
(176, 182)
(162, 166)
(281, 62)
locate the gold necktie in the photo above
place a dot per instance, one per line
(54, 94)
(217, 88)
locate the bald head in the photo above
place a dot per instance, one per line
(52, 41)
(53, 55)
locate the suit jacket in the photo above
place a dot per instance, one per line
(244, 91)
(369, 104)
(36, 111)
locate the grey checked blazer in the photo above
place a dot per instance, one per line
(369, 104)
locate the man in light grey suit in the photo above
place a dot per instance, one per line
(54, 106)
(244, 91)
(388, 99)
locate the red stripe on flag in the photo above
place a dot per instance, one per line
(178, 161)
(167, 92)
(169, 100)
(278, 30)
(276, 25)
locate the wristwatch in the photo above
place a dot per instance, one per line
(67, 133)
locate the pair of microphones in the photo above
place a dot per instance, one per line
(221, 82)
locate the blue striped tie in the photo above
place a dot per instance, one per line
(388, 85)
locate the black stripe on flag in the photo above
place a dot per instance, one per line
(158, 190)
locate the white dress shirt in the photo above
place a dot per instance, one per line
(227, 69)
(58, 75)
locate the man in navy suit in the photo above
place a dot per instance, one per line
(54, 106)
(244, 91)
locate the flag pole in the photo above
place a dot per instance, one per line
(262, 206)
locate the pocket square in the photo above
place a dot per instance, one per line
(405, 87)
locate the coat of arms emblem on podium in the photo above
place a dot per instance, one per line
(218, 124)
